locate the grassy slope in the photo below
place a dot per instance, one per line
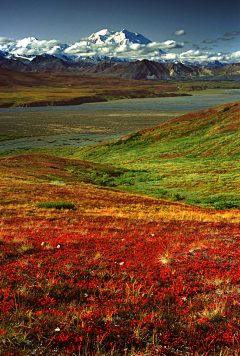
(194, 158)
(27, 180)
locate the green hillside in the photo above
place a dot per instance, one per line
(193, 158)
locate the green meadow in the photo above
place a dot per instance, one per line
(193, 159)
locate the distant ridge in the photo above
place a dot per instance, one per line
(118, 53)
(119, 46)
(146, 70)
(140, 70)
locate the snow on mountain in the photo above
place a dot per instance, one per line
(115, 46)
(107, 45)
(28, 58)
(28, 42)
(120, 38)
(3, 54)
(124, 45)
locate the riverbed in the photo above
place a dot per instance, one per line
(88, 124)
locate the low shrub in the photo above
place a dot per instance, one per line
(176, 197)
(226, 108)
(222, 205)
(56, 205)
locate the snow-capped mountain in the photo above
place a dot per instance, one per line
(124, 45)
(121, 38)
(110, 47)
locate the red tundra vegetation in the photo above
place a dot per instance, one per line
(119, 275)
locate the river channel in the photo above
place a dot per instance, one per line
(88, 124)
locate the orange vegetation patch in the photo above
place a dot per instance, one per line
(30, 179)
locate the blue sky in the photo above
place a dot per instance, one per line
(211, 26)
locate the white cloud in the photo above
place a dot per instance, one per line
(31, 46)
(136, 51)
(236, 55)
(179, 33)
(49, 44)
(55, 50)
(206, 48)
(130, 50)
(170, 56)
(207, 40)
(227, 38)
(191, 53)
(233, 33)
(5, 41)
(169, 44)
(135, 46)
(201, 56)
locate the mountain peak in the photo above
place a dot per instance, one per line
(100, 36)
(119, 37)
(26, 41)
(102, 32)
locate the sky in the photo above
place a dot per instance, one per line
(199, 29)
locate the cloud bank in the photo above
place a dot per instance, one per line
(201, 56)
(158, 51)
(125, 50)
(227, 37)
(233, 33)
(31, 46)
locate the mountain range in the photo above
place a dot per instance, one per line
(94, 55)
(102, 43)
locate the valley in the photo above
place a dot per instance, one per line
(91, 265)
(192, 168)
(45, 89)
(119, 226)
(33, 89)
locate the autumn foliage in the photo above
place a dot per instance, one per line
(121, 274)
